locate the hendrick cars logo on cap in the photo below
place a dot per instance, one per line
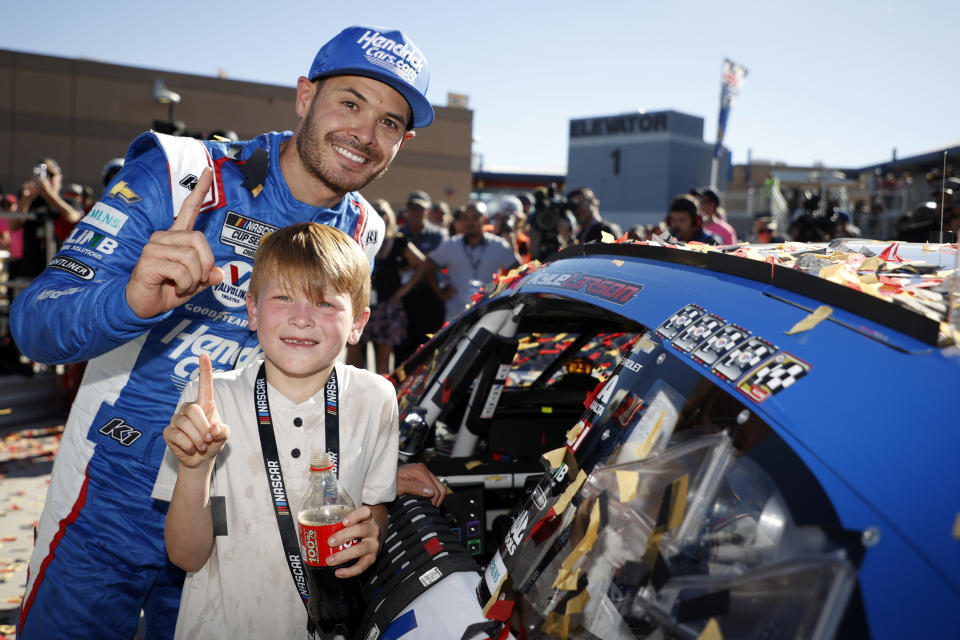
(383, 54)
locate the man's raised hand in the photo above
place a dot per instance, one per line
(195, 434)
(175, 264)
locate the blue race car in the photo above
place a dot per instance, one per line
(668, 441)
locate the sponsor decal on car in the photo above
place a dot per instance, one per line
(612, 290)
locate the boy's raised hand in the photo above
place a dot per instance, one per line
(195, 434)
(175, 264)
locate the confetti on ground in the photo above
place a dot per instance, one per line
(30, 443)
(25, 475)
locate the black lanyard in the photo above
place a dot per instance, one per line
(474, 260)
(271, 464)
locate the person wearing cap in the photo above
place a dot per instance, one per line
(155, 275)
(714, 217)
(511, 225)
(440, 216)
(424, 310)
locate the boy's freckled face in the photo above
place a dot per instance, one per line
(301, 338)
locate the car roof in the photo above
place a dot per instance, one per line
(875, 408)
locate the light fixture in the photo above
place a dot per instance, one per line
(163, 95)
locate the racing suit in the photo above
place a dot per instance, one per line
(100, 556)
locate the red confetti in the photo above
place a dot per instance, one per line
(890, 253)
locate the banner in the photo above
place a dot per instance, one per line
(732, 79)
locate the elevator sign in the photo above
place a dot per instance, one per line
(628, 123)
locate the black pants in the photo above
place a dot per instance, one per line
(425, 313)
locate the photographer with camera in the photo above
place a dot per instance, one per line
(40, 197)
(551, 223)
(586, 209)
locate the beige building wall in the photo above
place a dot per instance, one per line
(84, 113)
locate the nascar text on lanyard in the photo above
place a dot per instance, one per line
(271, 464)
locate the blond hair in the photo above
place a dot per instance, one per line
(311, 256)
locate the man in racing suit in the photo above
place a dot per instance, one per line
(157, 274)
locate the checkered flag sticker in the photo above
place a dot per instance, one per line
(772, 376)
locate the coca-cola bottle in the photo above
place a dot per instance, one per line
(333, 601)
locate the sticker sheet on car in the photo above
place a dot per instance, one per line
(755, 366)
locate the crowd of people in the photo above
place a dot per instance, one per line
(35, 221)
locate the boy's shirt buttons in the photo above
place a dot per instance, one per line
(295, 453)
(297, 422)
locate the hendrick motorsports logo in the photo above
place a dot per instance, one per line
(191, 339)
(72, 266)
(615, 291)
(232, 292)
(243, 233)
(396, 57)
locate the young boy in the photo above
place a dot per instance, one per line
(308, 297)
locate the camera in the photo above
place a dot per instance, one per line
(549, 209)
(40, 171)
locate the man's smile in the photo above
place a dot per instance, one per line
(349, 154)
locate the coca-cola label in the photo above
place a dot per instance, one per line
(313, 541)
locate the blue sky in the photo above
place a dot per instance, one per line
(840, 82)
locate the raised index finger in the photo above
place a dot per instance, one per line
(205, 390)
(190, 208)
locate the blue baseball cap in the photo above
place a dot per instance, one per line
(386, 55)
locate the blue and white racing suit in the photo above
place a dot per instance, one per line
(100, 556)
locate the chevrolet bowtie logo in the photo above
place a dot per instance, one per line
(123, 191)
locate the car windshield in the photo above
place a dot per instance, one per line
(544, 358)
